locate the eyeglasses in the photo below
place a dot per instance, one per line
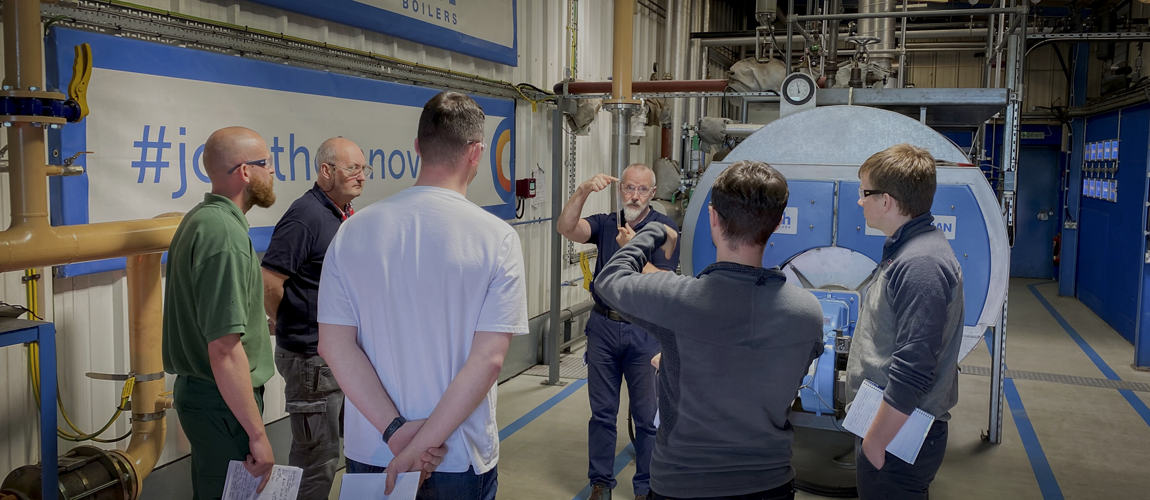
(863, 193)
(643, 190)
(355, 170)
(262, 162)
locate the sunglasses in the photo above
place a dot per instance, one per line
(263, 162)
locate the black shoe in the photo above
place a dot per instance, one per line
(640, 497)
(600, 491)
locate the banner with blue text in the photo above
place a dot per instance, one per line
(482, 28)
(153, 106)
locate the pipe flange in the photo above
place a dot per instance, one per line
(33, 94)
(148, 417)
(622, 106)
(148, 377)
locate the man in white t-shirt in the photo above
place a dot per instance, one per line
(419, 298)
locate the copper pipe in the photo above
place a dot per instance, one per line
(667, 145)
(145, 325)
(645, 87)
(621, 62)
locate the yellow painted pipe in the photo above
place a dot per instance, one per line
(41, 245)
(145, 326)
(31, 241)
(621, 62)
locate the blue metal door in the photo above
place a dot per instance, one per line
(1037, 213)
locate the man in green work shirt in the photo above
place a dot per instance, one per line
(215, 334)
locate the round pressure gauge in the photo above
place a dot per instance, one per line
(798, 89)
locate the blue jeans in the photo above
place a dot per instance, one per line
(444, 485)
(616, 350)
(898, 480)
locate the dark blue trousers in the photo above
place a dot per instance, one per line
(444, 485)
(616, 350)
(899, 480)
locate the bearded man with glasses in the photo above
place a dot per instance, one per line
(291, 271)
(615, 347)
(215, 337)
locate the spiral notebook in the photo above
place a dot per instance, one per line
(907, 443)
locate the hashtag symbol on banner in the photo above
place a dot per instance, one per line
(145, 145)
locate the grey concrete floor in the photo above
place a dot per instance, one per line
(1096, 443)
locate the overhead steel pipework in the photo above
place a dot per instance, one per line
(31, 241)
(913, 13)
(871, 17)
(642, 87)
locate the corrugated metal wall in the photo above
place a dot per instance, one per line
(1045, 82)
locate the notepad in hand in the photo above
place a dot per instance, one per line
(907, 443)
(371, 486)
(241, 485)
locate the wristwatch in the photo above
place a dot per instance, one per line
(395, 425)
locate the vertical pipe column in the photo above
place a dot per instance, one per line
(1016, 48)
(23, 70)
(790, 33)
(666, 66)
(551, 339)
(621, 57)
(833, 46)
(679, 72)
(882, 28)
(1068, 271)
(145, 327)
(621, 104)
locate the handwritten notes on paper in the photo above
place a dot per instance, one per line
(283, 485)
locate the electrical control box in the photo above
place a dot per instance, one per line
(525, 188)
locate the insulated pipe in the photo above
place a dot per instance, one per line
(30, 240)
(658, 86)
(621, 59)
(621, 104)
(620, 145)
(145, 327)
(741, 130)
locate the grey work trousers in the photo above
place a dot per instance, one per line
(315, 405)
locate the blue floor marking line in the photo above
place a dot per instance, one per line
(522, 422)
(1047, 483)
(625, 457)
(1135, 402)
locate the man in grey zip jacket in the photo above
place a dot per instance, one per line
(910, 325)
(737, 340)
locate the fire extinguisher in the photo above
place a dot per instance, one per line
(1057, 247)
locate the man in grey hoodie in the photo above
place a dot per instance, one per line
(736, 339)
(910, 324)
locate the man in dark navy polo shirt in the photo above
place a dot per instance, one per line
(616, 348)
(291, 271)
